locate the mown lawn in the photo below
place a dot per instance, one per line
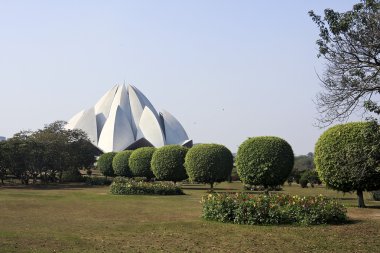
(75, 218)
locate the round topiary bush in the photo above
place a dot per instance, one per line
(347, 158)
(265, 161)
(139, 162)
(168, 163)
(120, 163)
(104, 164)
(208, 163)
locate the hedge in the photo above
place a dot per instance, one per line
(126, 186)
(244, 208)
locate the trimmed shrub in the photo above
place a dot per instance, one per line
(98, 181)
(104, 164)
(120, 163)
(243, 208)
(309, 176)
(208, 163)
(168, 163)
(347, 158)
(303, 181)
(126, 186)
(376, 195)
(265, 161)
(72, 176)
(139, 162)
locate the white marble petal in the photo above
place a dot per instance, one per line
(87, 122)
(117, 132)
(137, 108)
(174, 131)
(150, 128)
(124, 118)
(122, 99)
(73, 121)
(103, 107)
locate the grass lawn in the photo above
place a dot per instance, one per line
(75, 218)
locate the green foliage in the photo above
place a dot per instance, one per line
(303, 181)
(104, 164)
(98, 181)
(243, 208)
(234, 175)
(376, 195)
(310, 176)
(139, 162)
(46, 153)
(301, 164)
(208, 163)
(347, 156)
(72, 176)
(168, 163)
(125, 186)
(265, 161)
(120, 163)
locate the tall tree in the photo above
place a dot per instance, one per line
(46, 153)
(350, 44)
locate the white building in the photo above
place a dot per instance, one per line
(2, 138)
(125, 119)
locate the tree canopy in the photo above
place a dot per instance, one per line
(350, 44)
(46, 153)
(265, 161)
(347, 157)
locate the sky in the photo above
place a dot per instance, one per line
(227, 70)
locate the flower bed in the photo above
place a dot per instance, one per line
(244, 208)
(126, 186)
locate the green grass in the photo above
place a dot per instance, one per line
(89, 219)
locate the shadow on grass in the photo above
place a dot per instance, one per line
(55, 186)
(207, 188)
(373, 207)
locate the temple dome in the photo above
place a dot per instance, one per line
(125, 119)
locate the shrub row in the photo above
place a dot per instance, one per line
(243, 208)
(98, 181)
(261, 161)
(204, 163)
(126, 186)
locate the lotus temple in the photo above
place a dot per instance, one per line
(125, 119)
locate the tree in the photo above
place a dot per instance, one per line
(3, 168)
(209, 163)
(265, 160)
(309, 176)
(64, 150)
(347, 158)
(302, 163)
(139, 162)
(168, 163)
(350, 44)
(46, 153)
(120, 163)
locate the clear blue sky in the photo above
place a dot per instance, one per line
(227, 70)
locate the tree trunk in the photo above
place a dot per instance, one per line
(212, 186)
(361, 203)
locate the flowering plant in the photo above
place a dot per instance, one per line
(245, 208)
(126, 186)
